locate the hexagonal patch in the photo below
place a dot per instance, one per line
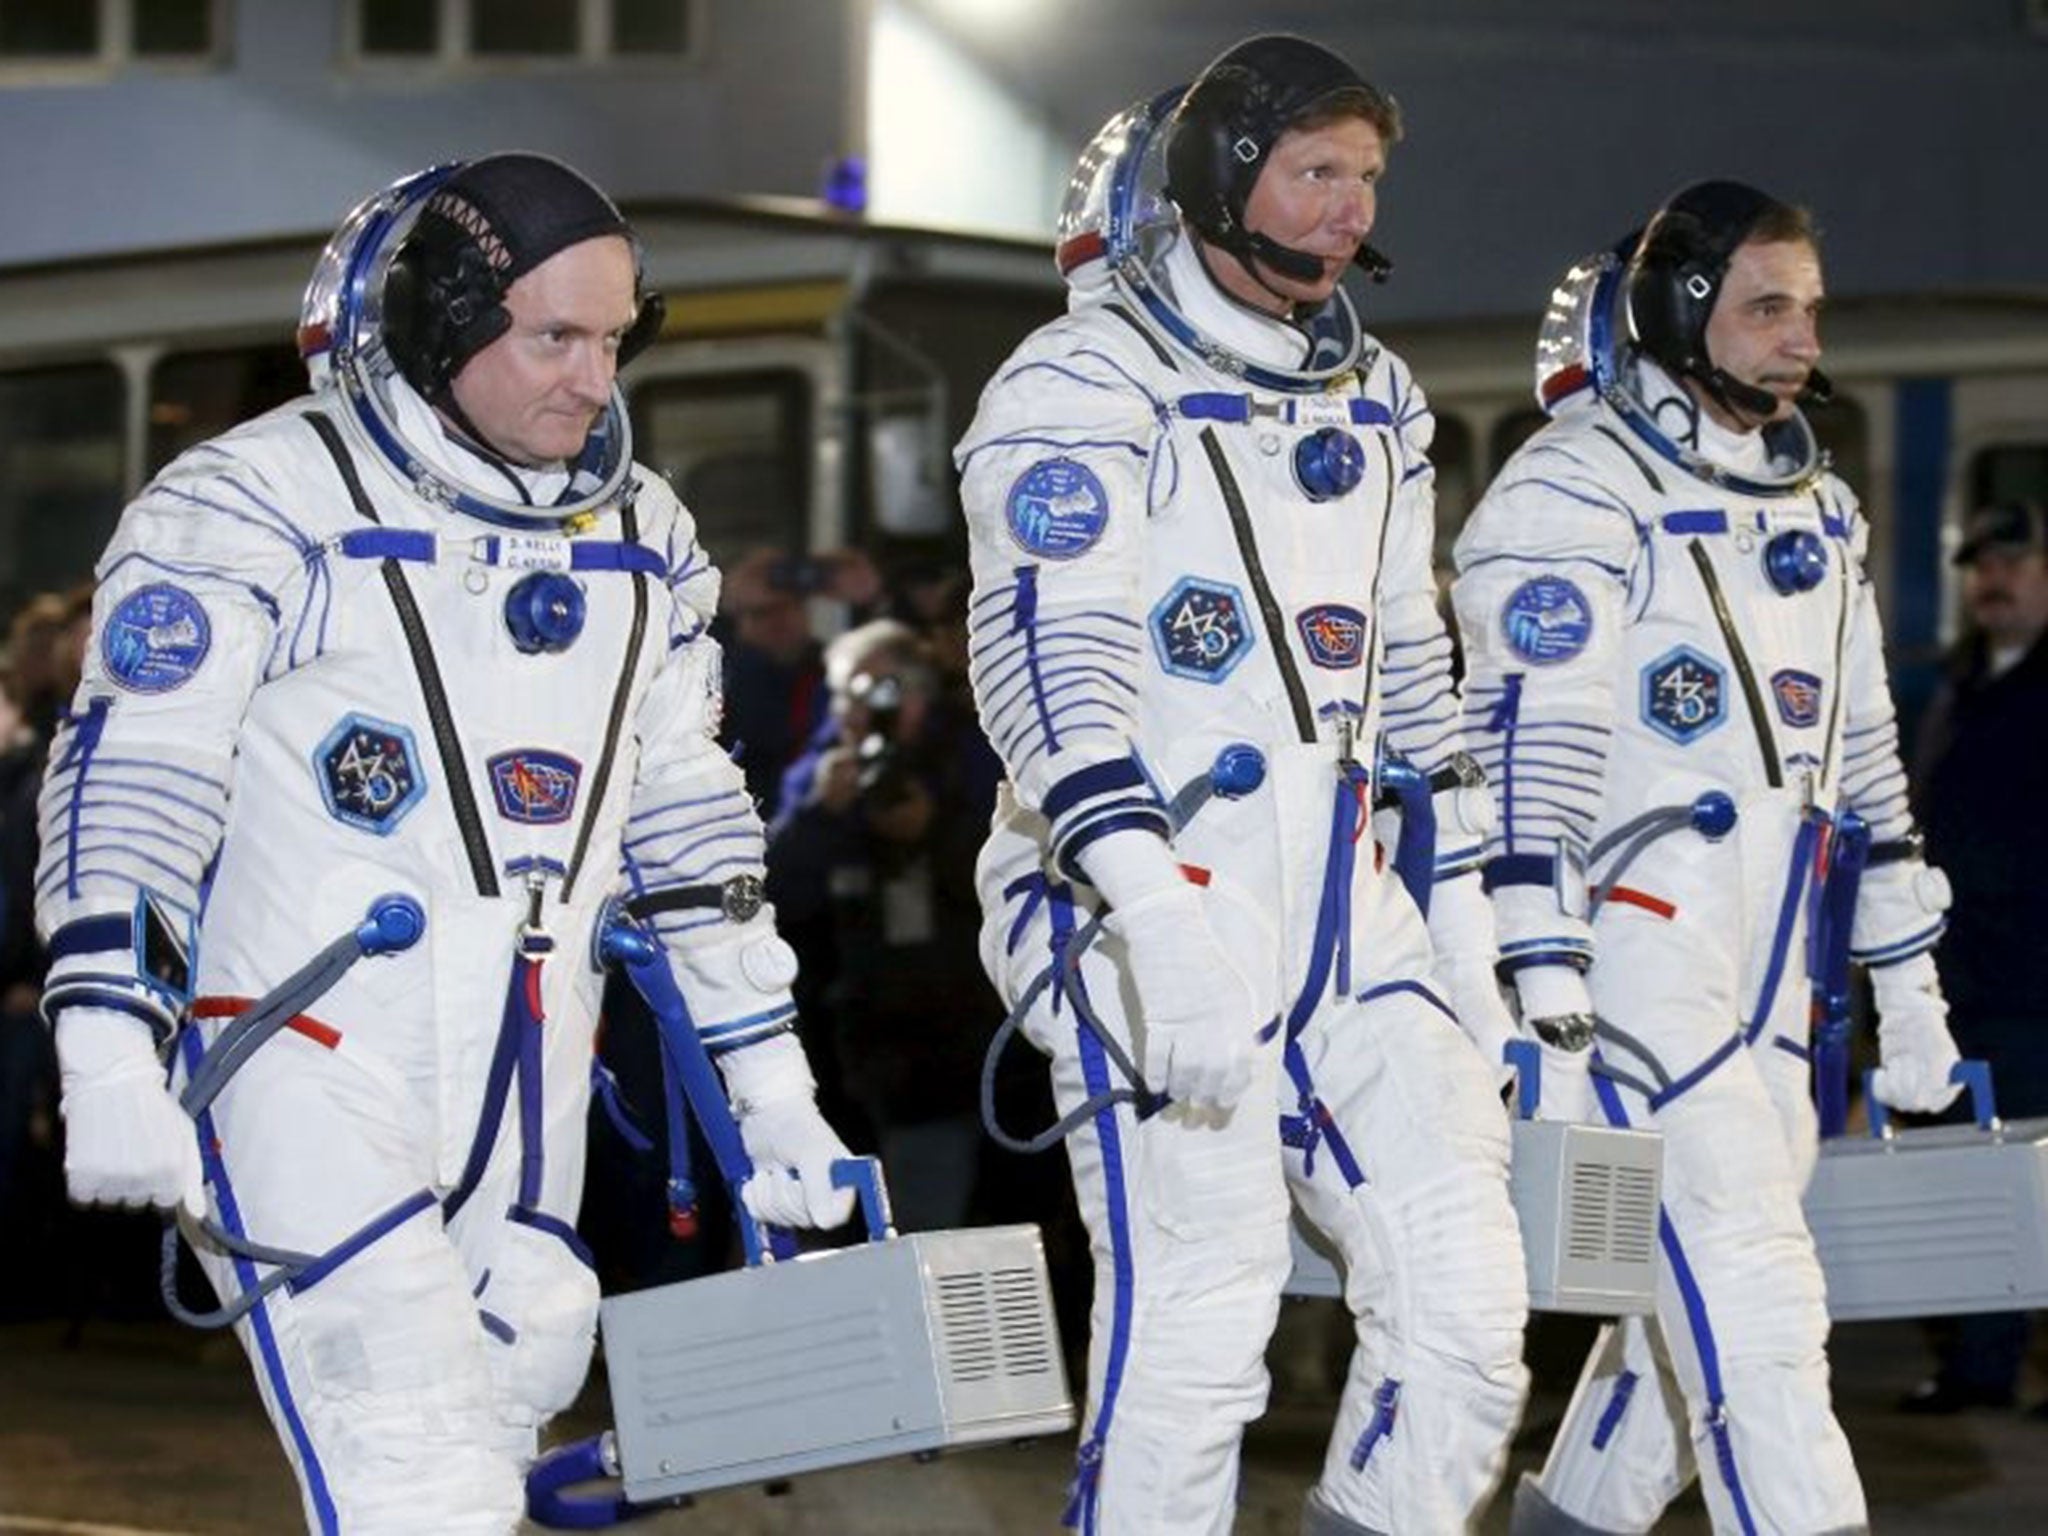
(1684, 695)
(1200, 631)
(369, 773)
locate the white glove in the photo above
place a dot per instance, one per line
(1200, 1023)
(1461, 932)
(1558, 992)
(792, 1147)
(1912, 1038)
(1199, 1017)
(126, 1140)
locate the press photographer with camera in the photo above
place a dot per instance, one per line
(871, 866)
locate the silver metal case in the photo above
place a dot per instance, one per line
(1586, 1198)
(1933, 1222)
(919, 1343)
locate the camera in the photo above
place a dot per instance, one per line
(884, 778)
(800, 575)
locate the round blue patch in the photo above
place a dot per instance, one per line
(156, 639)
(1057, 509)
(1547, 620)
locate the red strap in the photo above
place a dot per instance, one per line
(1635, 898)
(235, 1007)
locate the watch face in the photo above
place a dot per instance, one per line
(742, 897)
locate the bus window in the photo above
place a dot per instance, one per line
(197, 395)
(736, 447)
(1844, 433)
(1450, 452)
(1509, 433)
(61, 484)
(2009, 472)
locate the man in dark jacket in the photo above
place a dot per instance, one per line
(1984, 739)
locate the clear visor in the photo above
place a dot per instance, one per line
(341, 339)
(1573, 357)
(343, 305)
(1116, 205)
(1581, 357)
(1117, 224)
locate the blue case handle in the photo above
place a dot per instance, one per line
(1526, 1057)
(1975, 1076)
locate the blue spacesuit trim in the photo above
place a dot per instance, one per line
(360, 1239)
(497, 1084)
(1024, 616)
(1903, 949)
(1518, 869)
(1695, 522)
(1701, 1326)
(1420, 989)
(1145, 818)
(269, 604)
(730, 1036)
(1791, 1047)
(497, 1327)
(1081, 1508)
(1796, 887)
(524, 1016)
(1312, 1123)
(1698, 1074)
(390, 544)
(1332, 940)
(121, 993)
(1505, 716)
(1095, 779)
(1617, 1405)
(91, 935)
(556, 1228)
(85, 740)
(1386, 1403)
(266, 1350)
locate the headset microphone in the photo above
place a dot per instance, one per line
(1306, 268)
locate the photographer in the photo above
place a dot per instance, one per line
(871, 864)
(774, 677)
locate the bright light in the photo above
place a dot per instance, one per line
(947, 143)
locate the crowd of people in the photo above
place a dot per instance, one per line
(1115, 775)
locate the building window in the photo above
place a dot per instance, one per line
(523, 31)
(60, 475)
(111, 32)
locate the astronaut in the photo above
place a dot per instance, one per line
(1676, 685)
(427, 631)
(1201, 512)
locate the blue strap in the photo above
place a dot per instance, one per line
(497, 1083)
(614, 555)
(1617, 1405)
(358, 1240)
(1080, 1510)
(1699, 1324)
(1086, 783)
(1386, 1402)
(1697, 1075)
(1314, 1123)
(1517, 869)
(532, 1120)
(93, 935)
(1695, 522)
(391, 544)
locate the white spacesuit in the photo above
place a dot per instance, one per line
(1200, 540)
(344, 651)
(1675, 682)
